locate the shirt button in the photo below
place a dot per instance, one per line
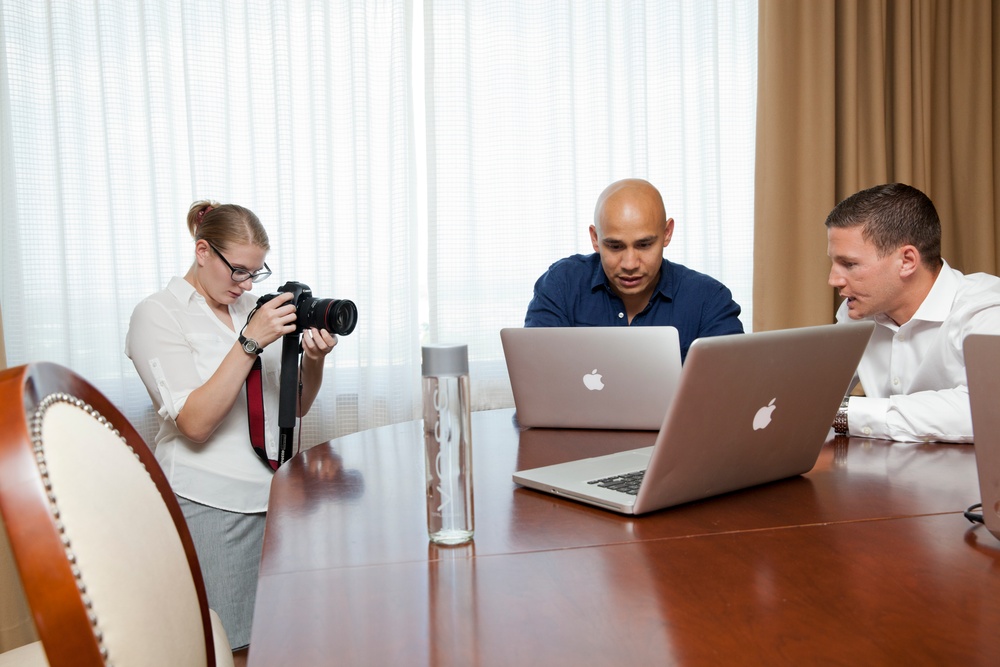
(621, 315)
(895, 382)
(866, 430)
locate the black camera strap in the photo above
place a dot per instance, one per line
(255, 413)
(338, 315)
(288, 398)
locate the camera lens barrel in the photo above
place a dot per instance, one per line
(338, 316)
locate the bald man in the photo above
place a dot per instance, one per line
(627, 281)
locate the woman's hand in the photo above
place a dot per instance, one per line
(317, 343)
(273, 319)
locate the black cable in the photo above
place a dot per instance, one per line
(254, 310)
(974, 517)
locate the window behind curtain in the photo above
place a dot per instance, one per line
(430, 176)
(533, 108)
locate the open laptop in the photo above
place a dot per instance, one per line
(982, 368)
(750, 409)
(592, 377)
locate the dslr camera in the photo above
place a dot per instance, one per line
(338, 316)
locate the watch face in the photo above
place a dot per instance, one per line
(250, 346)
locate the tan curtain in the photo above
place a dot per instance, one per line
(853, 93)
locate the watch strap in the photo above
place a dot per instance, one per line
(243, 343)
(840, 423)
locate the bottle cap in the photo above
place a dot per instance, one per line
(444, 359)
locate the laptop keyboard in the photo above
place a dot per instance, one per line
(626, 483)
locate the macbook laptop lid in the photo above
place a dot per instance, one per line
(750, 409)
(982, 367)
(592, 377)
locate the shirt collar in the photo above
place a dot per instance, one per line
(664, 286)
(597, 278)
(937, 304)
(182, 290)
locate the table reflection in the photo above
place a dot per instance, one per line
(452, 605)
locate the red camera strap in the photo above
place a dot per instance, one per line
(255, 414)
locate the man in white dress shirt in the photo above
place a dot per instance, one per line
(885, 246)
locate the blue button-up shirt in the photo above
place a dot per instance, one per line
(575, 292)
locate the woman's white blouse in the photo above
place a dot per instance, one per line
(176, 343)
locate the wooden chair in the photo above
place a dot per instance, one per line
(107, 563)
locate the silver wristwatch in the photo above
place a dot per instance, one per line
(840, 426)
(250, 346)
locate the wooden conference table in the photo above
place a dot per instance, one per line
(867, 559)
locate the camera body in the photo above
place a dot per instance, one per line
(338, 316)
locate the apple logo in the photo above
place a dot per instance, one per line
(593, 381)
(763, 416)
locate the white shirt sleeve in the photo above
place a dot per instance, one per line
(926, 416)
(165, 362)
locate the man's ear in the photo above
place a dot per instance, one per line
(668, 233)
(909, 261)
(593, 238)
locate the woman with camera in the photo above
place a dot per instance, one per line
(203, 348)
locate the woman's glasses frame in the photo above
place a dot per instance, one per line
(241, 275)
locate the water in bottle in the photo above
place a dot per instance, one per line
(447, 443)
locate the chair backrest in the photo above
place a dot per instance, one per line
(107, 563)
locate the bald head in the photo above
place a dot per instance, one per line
(630, 231)
(632, 198)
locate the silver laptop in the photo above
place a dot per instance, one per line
(982, 368)
(750, 409)
(592, 377)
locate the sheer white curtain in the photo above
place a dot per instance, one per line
(427, 169)
(117, 115)
(533, 108)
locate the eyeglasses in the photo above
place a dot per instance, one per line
(240, 275)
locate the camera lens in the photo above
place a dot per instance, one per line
(343, 316)
(338, 316)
